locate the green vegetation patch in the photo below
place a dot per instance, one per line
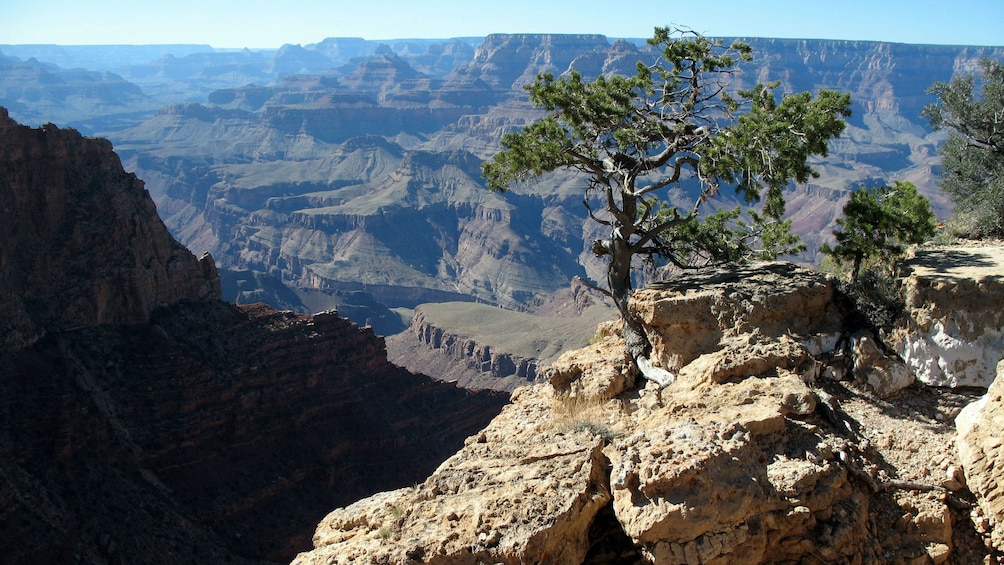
(517, 333)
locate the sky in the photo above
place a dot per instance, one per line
(273, 23)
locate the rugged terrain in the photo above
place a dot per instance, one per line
(144, 420)
(484, 347)
(787, 437)
(345, 174)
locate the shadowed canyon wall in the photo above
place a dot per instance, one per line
(144, 420)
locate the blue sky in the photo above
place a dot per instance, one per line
(261, 24)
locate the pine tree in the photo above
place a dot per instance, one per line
(973, 156)
(879, 222)
(641, 139)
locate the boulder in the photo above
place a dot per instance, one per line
(981, 449)
(955, 303)
(749, 320)
(882, 373)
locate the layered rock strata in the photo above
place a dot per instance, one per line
(465, 360)
(483, 347)
(80, 240)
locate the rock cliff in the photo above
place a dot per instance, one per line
(144, 420)
(483, 347)
(769, 448)
(80, 240)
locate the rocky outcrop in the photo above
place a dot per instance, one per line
(80, 240)
(955, 303)
(758, 453)
(981, 427)
(788, 315)
(503, 499)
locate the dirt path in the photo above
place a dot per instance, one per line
(978, 261)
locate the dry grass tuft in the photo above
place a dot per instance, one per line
(578, 412)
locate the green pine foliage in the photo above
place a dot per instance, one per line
(641, 141)
(973, 156)
(879, 222)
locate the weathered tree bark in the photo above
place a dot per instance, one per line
(620, 288)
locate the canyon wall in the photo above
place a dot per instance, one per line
(466, 360)
(80, 240)
(144, 420)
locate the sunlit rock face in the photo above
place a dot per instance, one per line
(955, 303)
(763, 450)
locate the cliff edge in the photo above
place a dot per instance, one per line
(789, 436)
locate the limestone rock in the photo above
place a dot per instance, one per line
(523, 490)
(981, 449)
(883, 374)
(145, 420)
(600, 371)
(774, 312)
(955, 299)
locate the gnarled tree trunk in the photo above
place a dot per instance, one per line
(620, 288)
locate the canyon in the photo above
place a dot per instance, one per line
(345, 174)
(143, 419)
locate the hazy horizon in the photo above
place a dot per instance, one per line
(235, 24)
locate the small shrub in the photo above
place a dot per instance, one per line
(596, 429)
(580, 413)
(875, 298)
